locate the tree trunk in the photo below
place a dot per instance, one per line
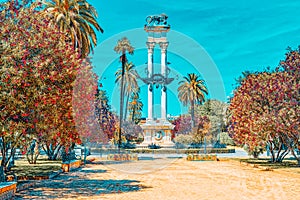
(193, 113)
(3, 152)
(52, 152)
(3, 161)
(33, 154)
(5, 156)
(126, 106)
(56, 152)
(2, 174)
(11, 161)
(282, 155)
(255, 154)
(271, 147)
(133, 113)
(279, 150)
(121, 100)
(297, 158)
(36, 155)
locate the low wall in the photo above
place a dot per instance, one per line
(183, 151)
(122, 157)
(163, 150)
(7, 190)
(201, 157)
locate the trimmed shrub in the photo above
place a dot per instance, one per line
(153, 146)
(128, 145)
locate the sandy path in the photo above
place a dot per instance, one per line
(169, 179)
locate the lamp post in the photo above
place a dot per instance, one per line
(219, 132)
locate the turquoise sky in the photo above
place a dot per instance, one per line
(216, 39)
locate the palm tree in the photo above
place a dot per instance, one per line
(122, 47)
(77, 17)
(135, 107)
(130, 80)
(192, 91)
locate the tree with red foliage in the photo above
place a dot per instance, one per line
(84, 91)
(39, 67)
(183, 126)
(250, 111)
(288, 120)
(265, 110)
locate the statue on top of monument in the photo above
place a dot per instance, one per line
(157, 20)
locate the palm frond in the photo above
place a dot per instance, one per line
(76, 15)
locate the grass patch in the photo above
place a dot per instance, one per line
(42, 168)
(265, 162)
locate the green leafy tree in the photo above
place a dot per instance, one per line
(215, 110)
(135, 108)
(226, 139)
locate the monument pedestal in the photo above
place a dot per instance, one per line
(157, 132)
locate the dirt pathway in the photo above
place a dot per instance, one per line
(168, 179)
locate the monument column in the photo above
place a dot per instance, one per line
(157, 131)
(150, 46)
(163, 46)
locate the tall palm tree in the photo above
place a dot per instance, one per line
(79, 18)
(130, 80)
(192, 91)
(122, 47)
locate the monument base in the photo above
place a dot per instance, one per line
(157, 132)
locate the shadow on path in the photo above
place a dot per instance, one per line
(77, 184)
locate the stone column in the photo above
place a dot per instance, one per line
(163, 46)
(150, 46)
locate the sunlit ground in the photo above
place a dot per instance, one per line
(165, 178)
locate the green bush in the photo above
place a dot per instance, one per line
(153, 146)
(255, 152)
(225, 139)
(183, 139)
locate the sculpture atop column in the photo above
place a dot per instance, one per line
(157, 131)
(157, 20)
